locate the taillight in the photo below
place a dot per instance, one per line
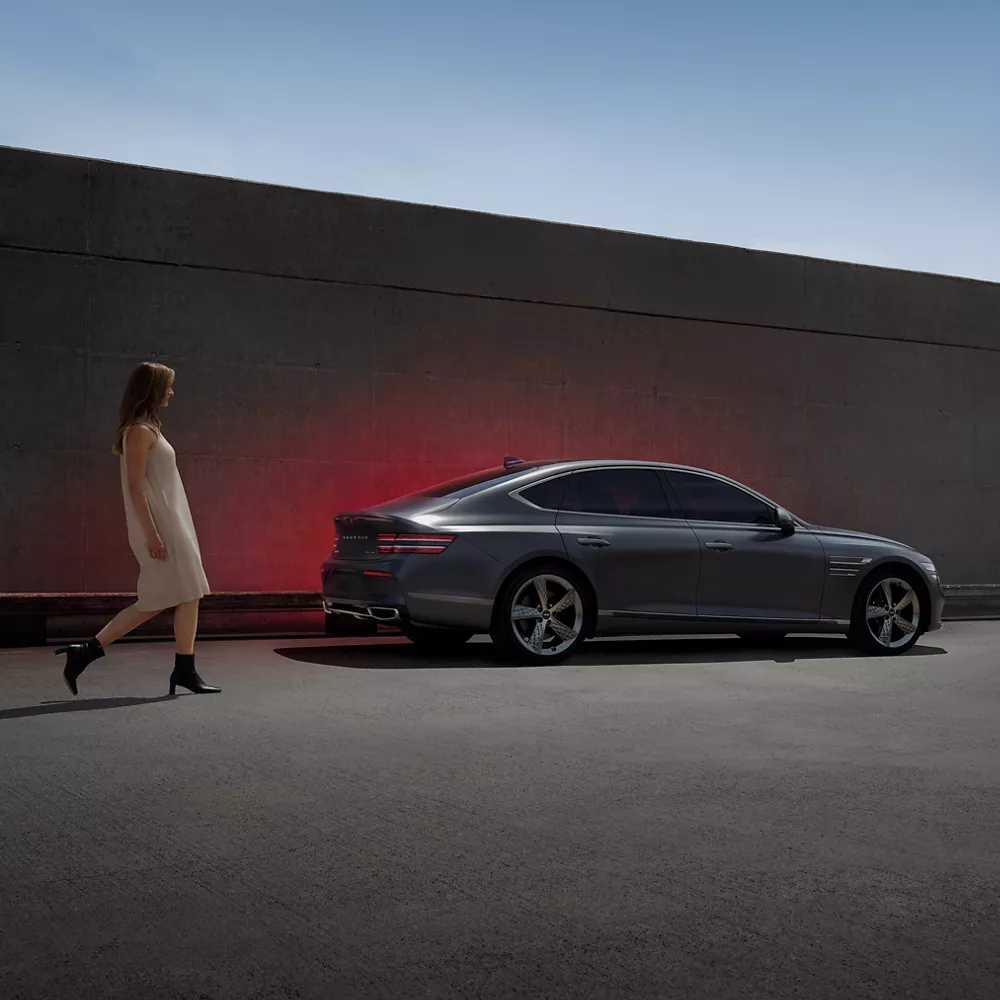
(424, 545)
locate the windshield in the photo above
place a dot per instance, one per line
(478, 479)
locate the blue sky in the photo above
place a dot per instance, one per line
(863, 130)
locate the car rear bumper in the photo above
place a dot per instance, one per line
(402, 589)
(363, 592)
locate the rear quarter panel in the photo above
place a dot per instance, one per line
(454, 588)
(497, 535)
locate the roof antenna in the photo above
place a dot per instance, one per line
(511, 463)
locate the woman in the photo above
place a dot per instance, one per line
(160, 533)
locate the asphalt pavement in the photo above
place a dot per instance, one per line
(682, 818)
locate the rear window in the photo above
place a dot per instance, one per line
(484, 478)
(548, 495)
(631, 492)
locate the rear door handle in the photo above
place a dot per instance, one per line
(593, 541)
(719, 546)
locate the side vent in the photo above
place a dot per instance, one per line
(848, 565)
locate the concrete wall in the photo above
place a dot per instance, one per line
(332, 351)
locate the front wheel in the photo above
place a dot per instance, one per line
(541, 615)
(435, 639)
(887, 618)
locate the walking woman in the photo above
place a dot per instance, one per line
(160, 533)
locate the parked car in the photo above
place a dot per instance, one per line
(545, 555)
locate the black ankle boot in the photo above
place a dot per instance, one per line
(81, 654)
(186, 676)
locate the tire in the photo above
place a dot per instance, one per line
(889, 614)
(346, 625)
(544, 594)
(434, 639)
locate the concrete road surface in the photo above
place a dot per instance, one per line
(682, 818)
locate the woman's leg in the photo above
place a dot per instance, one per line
(80, 654)
(185, 675)
(185, 626)
(123, 623)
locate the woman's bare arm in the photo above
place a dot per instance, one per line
(137, 445)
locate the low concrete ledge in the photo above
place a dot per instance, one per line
(969, 601)
(84, 604)
(34, 619)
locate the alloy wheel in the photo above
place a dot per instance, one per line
(892, 613)
(547, 614)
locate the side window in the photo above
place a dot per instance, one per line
(635, 492)
(702, 498)
(548, 495)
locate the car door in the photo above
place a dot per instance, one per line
(641, 557)
(750, 567)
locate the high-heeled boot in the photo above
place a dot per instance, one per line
(80, 656)
(186, 676)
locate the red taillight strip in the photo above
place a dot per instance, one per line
(416, 538)
(411, 544)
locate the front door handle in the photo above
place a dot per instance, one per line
(593, 541)
(719, 546)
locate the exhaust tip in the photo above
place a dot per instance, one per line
(384, 614)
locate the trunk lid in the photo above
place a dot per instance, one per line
(357, 534)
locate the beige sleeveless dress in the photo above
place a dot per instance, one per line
(180, 577)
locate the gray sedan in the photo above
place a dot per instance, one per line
(544, 555)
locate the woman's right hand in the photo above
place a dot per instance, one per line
(156, 547)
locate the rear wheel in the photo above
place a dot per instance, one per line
(888, 615)
(542, 615)
(435, 639)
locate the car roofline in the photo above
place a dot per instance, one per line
(549, 469)
(567, 463)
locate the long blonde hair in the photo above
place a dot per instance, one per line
(147, 385)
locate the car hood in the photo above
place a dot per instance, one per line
(859, 536)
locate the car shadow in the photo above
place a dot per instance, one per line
(398, 654)
(88, 705)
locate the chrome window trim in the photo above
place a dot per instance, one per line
(701, 522)
(628, 517)
(516, 494)
(664, 469)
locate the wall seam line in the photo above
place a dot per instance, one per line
(481, 296)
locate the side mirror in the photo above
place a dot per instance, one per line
(784, 521)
